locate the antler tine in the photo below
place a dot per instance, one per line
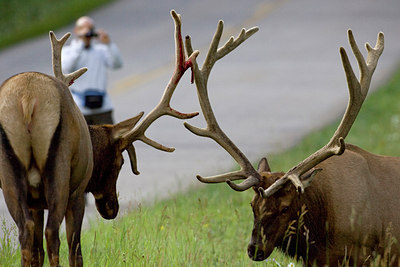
(358, 91)
(163, 107)
(215, 53)
(213, 130)
(56, 46)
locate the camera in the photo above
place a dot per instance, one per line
(91, 33)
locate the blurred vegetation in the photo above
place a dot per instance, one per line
(22, 19)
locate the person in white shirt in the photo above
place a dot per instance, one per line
(92, 49)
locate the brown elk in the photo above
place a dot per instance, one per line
(348, 214)
(50, 157)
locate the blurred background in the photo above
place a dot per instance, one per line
(281, 84)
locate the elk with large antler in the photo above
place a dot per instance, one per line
(347, 209)
(50, 158)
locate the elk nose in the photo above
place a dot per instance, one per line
(108, 208)
(112, 208)
(255, 253)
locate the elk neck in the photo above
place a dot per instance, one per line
(104, 153)
(309, 211)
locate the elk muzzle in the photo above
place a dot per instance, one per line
(107, 207)
(260, 247)
(258, 252)
(255, 252)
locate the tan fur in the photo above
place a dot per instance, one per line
(46, 162)
(30, 128)
(34, 177)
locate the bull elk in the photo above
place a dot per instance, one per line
(50, 158)
(353, 199)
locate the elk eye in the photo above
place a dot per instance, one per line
(285, 209)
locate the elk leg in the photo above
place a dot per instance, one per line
(13, 180)
(26, 240)
(52, 232)
(73, 222)
(38, 251)
(15, 197)
(57, 193)
(52, 238)
(57, 209)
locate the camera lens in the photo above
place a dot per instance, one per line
(91, 33)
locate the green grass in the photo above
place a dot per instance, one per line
(212, 226)
(207, 227)
(21, 19)
(9, 255)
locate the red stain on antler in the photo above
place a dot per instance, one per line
(182, 64)
(188, 64)
(181, 55)
(71, 82)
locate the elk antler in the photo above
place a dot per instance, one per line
(56, 46)
(213, 130)
(358, 91)
(163, 108)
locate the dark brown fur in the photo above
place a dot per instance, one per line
(108, 160)
(351, 213)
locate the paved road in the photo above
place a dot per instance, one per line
(284, 82)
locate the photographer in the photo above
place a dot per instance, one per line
(92, 49)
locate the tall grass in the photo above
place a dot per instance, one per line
(206, 227)
(9, 254)
(21, 19)
(211, 226)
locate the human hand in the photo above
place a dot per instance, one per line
(103, 36)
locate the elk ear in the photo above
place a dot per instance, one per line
(263, 166)
(309, 176)
(121, 129)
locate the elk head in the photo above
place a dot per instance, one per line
(273, 215)
(274, 196)
(110, 141)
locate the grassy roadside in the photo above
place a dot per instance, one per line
(212, 226)
(21, 19)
